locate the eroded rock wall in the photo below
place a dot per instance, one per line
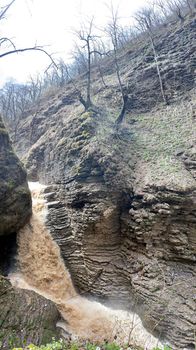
(127, 241)
(122, 205)
(26, 317)
(15, 198)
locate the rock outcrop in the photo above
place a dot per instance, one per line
(26, 317)
(125, 225)
(15, 198)
(122, 205)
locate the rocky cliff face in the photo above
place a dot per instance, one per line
(26, 317)
(122, 205)
(15, 199)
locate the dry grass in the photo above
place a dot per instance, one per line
(160, 138)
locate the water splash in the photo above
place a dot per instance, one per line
(42, 270)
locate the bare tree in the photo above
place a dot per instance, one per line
(11, 104)
(5, 8)
(88, 55)
(16, 99)
(113, 31)
(162, 7)
(146, 21)
(79, 59)
(86, 37)
(62, 73)
(35, 86)
(190, 4)
(7, 46)
(176, 8)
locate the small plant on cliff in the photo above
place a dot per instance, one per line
(62, 345)
(166, 347)
(111, 346)
(54, 345)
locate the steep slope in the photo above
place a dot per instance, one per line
(122, 205)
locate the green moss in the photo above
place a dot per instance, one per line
(159, 136)
(88, 114)
(62, 345)
(164, 132)
(11, 184)
(3, 131)
(62, 142)
(86, 134)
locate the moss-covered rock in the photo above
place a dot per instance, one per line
(15, 199)
(25, 317)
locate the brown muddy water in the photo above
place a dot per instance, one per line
(42, 269)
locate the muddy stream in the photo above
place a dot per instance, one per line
(41, 268)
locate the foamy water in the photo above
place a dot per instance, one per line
(42, 270)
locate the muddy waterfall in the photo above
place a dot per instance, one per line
(41, 269)
(109, 251)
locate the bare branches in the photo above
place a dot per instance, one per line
(176, 7)
(88, 50)
(7, 40)
(161, 5)
(113, 30)
(33, 48)
(5, 9)
(11, 47)
(81, 99)
(146, 21)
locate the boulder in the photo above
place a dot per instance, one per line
(15, 198)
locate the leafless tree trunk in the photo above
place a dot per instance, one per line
(158, 69)
(162, 7)
(4, 9)
(145, 18)
(101, 75)
(176, 7)
(113, 32)
(88, 97)
(85, 35)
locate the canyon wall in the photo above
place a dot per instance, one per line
(122, 204)
(15, 199)
(25, 316)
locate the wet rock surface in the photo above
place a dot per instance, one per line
(26, 317)
(15, 199)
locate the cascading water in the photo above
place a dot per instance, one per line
(43, 270)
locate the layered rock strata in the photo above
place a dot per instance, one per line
(127, 241)
(122, 205)
(26, 317)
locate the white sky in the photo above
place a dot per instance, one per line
(49, 22)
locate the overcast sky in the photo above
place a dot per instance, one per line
(49, 22)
